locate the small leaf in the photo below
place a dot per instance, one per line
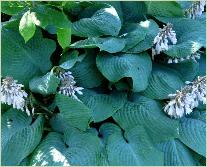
(134, 66)
(64, 37)
(44, 85)
(27, 27)
(68, 59)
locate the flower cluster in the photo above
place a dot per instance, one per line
(165, 37)
(195, 10)
(12, 94)
(185, 100)
(67, 85)
(193, 57)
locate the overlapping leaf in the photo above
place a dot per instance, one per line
(152, 30)
(191, 37)
(19, 136)
(131, 148)
(44, 85)
(72, 110)
(24, 61)
(104, 21)
(72, 148)
(44, 16)
(85, 72)
(189, 72)
(162, 82)
(134, 66)
(102, 105)
(109, 44)
(148, 113)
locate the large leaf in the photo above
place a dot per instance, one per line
(85, 72)
(148, 113)
(19, 136)
(24, 61)
(134, 66)
(193, 134)
(162, 82)
(132, 11)
(72, 110)
(188, 69)
(109, 44)
(176, 154)
(12, 8)
(44, 85)
(165, 9)
(44, 15)
(104, 21)
(102, 105)
(133, 148)
(26, 26)
(72, 148)
(152, 30)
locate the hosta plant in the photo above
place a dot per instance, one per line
(103, 83)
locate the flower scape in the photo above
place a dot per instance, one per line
(103, 83)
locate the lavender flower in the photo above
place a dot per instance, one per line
(165, 37)
(184, 101)
(193, 57)
(196, 9)
(12, 94)
(67, 85)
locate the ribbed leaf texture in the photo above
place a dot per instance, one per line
(19, 136)
(148, 113)
(131, 148)
(72, 148)
(162, 82)
(102, 105)
(24, 61)
(71, 110)
(86, 72)
(104, 21)
(193, 134)
(134, 66)
(176, 153)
